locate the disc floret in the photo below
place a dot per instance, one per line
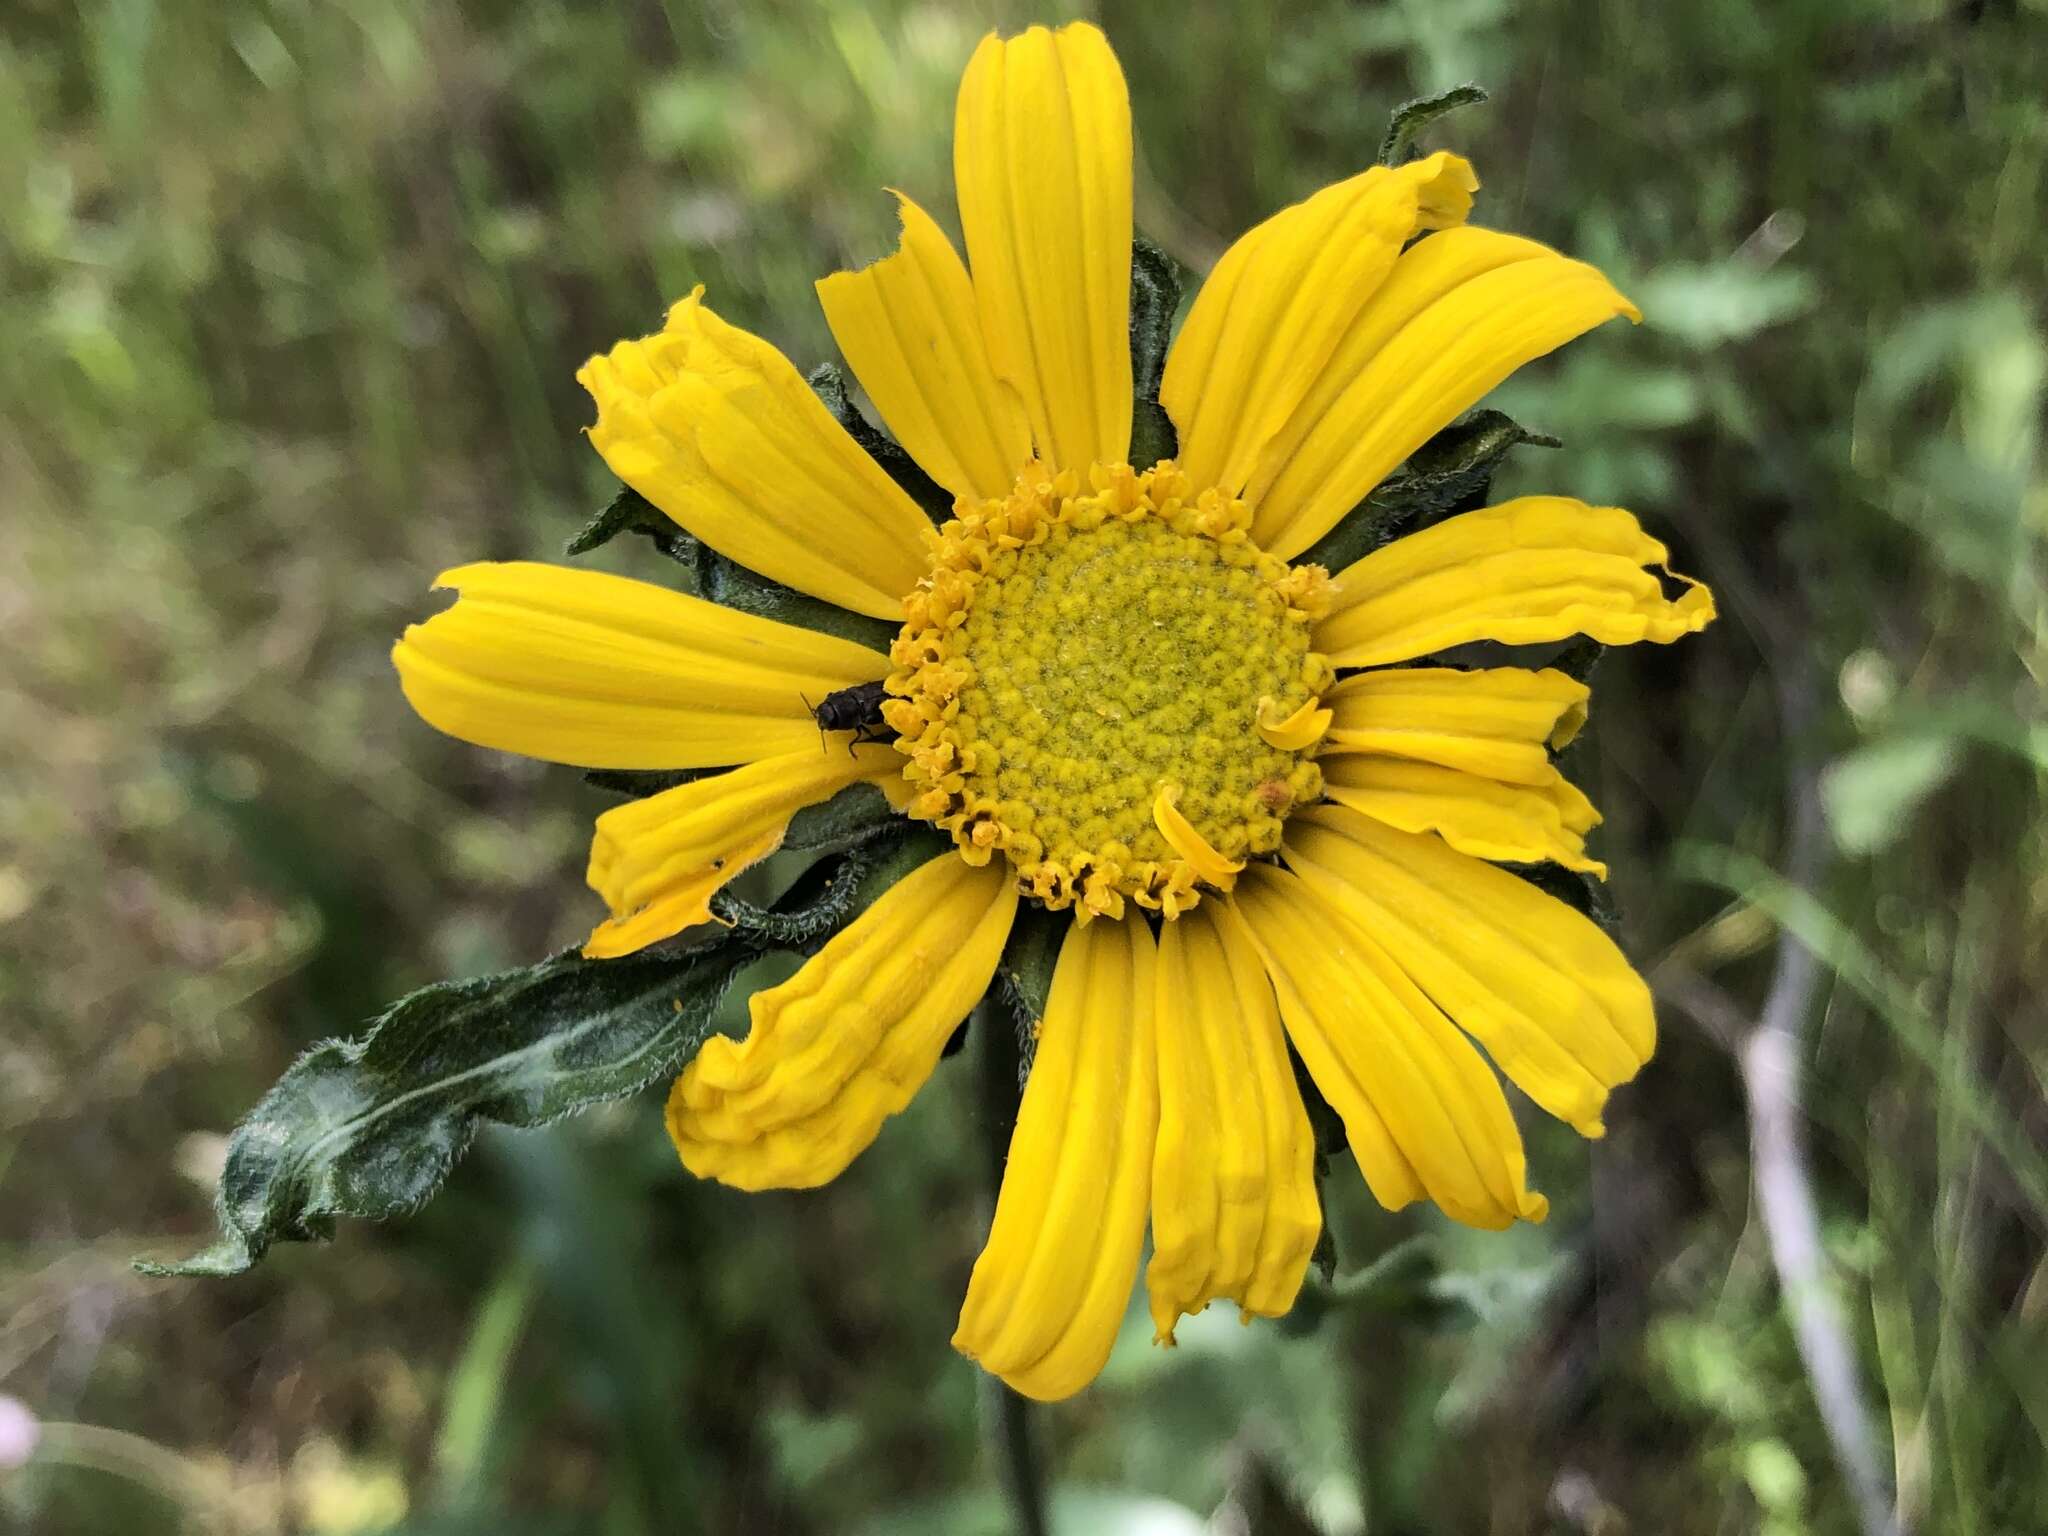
(1091, 682)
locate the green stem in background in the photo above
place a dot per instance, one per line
(1005, 1416)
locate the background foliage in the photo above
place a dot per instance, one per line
(290, 299)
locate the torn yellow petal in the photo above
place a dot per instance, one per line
(1460, 312)
(909, 329)
(1182, 837)
(575, 666)
(849, 1039)
(1547, 993)
(1423, 1111)
(1234, 1206)
(1051, 1286)
(1303, 728)
(1263, 325)
(1042, 165)
(658, 861)
(1508, 823)
(718, 429)
(1492, 721)
(1528, 571)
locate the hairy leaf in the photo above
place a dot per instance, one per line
(1155, 299)
(370, 1127)
(1411, 118)
(630, 512)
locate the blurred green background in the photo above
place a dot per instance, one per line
(291, 297)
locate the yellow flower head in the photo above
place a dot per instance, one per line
(1124, 694)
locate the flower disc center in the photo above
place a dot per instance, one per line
(1075, 657)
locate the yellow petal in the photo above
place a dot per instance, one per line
(1423, 1112)
(1539, 985)
(1460, 312)
(1184, 839)
(1050, 1287)
(1303, 728)
(1042, 164)
(657, 861)
(909, 329)
(1510, 823)
(578, 667)
(1537, 569)
(1493, 721)
(1263, 326)
(847, 1041)
(1234, 1207)
(719, 430)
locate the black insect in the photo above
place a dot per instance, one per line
(857, 709)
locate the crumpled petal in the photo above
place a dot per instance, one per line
(849, 1039)
(718, 429)
(579, 667)
(1528, 571)
(658, 861)
(1234, 1205)
(1050, 1288)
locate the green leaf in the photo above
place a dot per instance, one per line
(829, 384)
(1871, 793)
(1409, 120)
(1705, 304)
(1155, 300)
(820, 901)
(1450, 473)
(835, 890)
(369, 1127)
(630, 512)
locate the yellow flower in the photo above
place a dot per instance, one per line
(1122, 701)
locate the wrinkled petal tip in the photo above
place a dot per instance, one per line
(1444, 198)
(1531, 1206)
(1302, 729)
(1181, 836)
